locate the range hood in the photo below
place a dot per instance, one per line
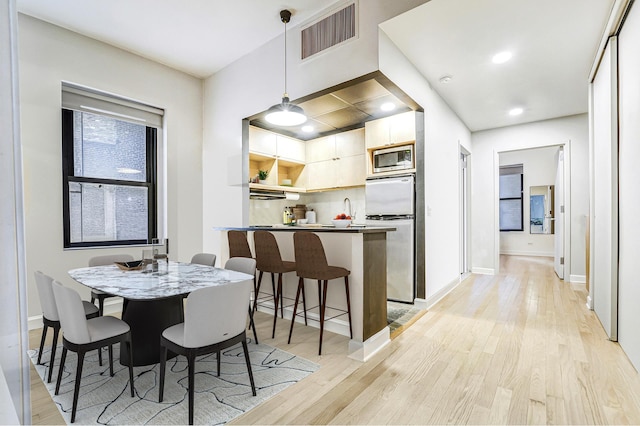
(266, 194)
(272, 194)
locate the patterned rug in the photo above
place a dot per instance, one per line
(107, 400)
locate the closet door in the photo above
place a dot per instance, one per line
(629, 178)
(605, 191)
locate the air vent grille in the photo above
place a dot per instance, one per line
(330, 31)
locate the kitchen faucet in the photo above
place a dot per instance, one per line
(348, 212)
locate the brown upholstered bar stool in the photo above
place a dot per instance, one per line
(311, 262)
(239, 247)
(268, 259)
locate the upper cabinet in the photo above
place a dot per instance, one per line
(395, 130)
(263, 142)
(336, 161)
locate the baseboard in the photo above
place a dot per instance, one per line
(589, 303)
(435, 298)
(363, 351)
(578, 279)
(334, 325)
(111, 306)
(527, 253)
(483, 271)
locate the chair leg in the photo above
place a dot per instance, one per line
(111, 360)
(163, 364)
(252, 324)
(304, 304)
(218, 362)
(54, 345)
(130, 349)
(60, 369)
(275, 300)
(295, 307)
(191, 359)
(100, 305)
(323, 305)
(100, 357)
(255, 299)
(246, 358)
(76, 389)
(45, 327)
(346, 286)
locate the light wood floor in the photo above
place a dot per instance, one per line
(514, 348)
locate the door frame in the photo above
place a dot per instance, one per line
(464, 188)
(567, 198)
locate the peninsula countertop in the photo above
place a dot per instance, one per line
(353, 229)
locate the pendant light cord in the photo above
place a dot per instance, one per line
(285, 60)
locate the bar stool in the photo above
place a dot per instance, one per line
(311, 262)
(268, 259)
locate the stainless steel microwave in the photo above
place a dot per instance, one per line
(394, 158)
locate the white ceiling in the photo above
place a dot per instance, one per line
(553, 43)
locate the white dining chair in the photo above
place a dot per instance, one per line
(215, 319)
(248, 266)
(105, 260)
(81, 335)
(50, 317)
(207, 259)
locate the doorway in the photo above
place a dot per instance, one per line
(544, 206)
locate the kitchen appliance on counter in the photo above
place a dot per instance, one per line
(390, 201)
(394, 158)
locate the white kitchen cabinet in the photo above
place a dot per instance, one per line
(262, 142)
(336, 161)
(395, 130)
(290, 149)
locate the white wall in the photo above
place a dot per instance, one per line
(486, 144)
(254, 83)
(49, 55)
(539, 167)
(444, 133)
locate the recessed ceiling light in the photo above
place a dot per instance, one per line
(445, 79)
(388, 106)
(516, 111)
(307, 129)
(502, 57)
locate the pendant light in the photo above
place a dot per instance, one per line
(285, 113)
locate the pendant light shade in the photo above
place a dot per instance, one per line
(285, 113)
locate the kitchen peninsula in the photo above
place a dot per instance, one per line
(362, 250)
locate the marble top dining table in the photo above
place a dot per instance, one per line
(153, 301)
(178, 279)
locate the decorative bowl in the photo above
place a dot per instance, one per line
(341, 223)
(134, 265)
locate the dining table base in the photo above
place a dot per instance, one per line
(148, 319)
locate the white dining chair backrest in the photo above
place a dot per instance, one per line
(207, 259)
(71, 311)
(214, 314)
(45, 293)
(241, 264)
(109, 259)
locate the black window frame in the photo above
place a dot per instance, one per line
(521, 198)
(68, 176)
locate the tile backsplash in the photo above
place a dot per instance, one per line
(326, 205)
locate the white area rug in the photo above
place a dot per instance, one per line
(107, 400)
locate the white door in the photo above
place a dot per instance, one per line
(558, 207)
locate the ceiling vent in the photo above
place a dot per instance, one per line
(329, 31)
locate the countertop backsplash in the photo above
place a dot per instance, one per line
(325, 204)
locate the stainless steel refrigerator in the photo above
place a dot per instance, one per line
(390, 201)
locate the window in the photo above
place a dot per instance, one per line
(109, 167)
(511, 198)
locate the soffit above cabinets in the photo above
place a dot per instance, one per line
(344, 107)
